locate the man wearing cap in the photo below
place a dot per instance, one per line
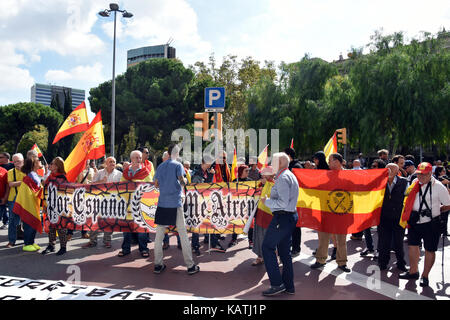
(410, 169)
(429, 198)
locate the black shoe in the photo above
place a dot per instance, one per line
(314, 252)
(317, 265)
(295, 254)
(179, 246)
(409, 276)
(366, 252)
(382, 267)
(61, 251)
(402, 268)
(159, 269)
(197, 252)
(333, 255)
(424, 282)
(48, 249)
(344, 268)
(250, 244)
(290, 291)
(193, 270)
(274, 290)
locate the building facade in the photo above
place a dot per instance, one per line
(134, 56)
(43, 93)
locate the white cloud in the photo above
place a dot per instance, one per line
(90, 74)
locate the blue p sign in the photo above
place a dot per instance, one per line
(215, 98)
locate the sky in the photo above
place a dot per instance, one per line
(66, 42)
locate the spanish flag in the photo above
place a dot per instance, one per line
(264, 214)
(77, 121)
(234, 168)
(90, 146)
(36, 148)
(340, 201)
(28, 203)
(292, 143)
(262, 158)
(408, 203)
(331, 146)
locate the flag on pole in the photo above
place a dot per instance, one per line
(36, 148)
(331, 146)
(340, 201)
(262, 158)
(90, 146)
(77, 121)
(292, 143)
(234, 167)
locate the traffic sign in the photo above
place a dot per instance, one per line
(215, 99)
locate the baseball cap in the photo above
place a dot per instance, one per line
(424, 167)
(408, 163)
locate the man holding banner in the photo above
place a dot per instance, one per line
(282, 203)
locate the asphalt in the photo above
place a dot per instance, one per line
(227, 275)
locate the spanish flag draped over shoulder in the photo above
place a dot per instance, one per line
(408, 202)
(330, 147)
(90, 146)
(77, 121)
(27, 204)
(340, 201)
(262, 158)
(264, 214)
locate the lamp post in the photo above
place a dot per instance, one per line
(113, 7)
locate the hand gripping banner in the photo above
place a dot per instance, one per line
(130, 206)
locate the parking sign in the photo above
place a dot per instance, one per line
(215, 99)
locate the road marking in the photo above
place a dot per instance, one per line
(384, 288)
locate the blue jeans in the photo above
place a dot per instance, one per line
(4, 213)
(28, 234)
(14, 221)
(279, 235)
(142, 241)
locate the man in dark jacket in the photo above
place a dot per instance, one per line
(389, 230)
(297, 234)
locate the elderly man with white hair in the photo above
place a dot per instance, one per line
(282, 203)
(15, 177)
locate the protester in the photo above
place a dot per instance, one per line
(4, 190)
(282, 203)
(203, 174)
(356, 165)
(297, 233)
(430, 198)
(57, 174)
(15, 177)
(135, 172)
(389, 230)
(243, 172)
(267, 182)
(254, 173)
(33, 181)
(399, 160)
(383, 154)
(410, 170)
(107, 175)
(146, 161)
(335, 162)
(169, 179)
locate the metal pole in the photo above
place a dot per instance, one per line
(216, 134)
(113, 98)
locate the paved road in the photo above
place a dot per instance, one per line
(223, 275)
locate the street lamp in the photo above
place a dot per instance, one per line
(113, 7)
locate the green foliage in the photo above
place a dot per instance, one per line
(20, 118)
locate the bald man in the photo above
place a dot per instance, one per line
(389, 228)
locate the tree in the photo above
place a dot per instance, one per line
(20, 118)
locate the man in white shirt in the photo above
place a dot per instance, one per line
(109, 174)
(430, 201)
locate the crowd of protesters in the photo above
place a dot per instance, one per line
(433, 199)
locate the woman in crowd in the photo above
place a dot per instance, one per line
(243, 172)
(28, 202)
(58, 175)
